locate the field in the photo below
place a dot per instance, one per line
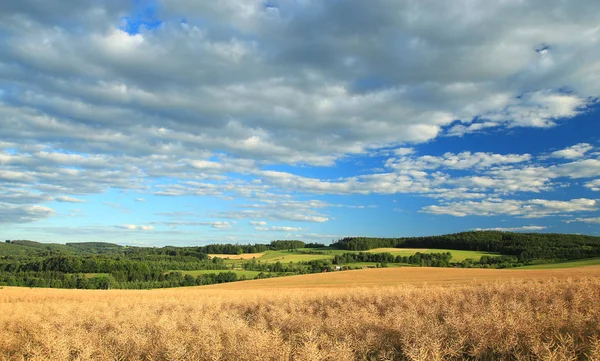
(377, 277)
(457, 255)
(375, 314)
(286, 256)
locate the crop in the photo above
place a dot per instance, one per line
(550, 319)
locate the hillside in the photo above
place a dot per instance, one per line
(101, 265)
(407, 275)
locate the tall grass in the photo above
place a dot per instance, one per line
(512, 320)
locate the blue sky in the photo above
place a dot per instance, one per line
(187, 123)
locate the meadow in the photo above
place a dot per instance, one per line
(312, 254)
(375, 314)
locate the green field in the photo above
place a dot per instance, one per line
(569, 264)
(457, 255)
(240, 273)
(287, 256)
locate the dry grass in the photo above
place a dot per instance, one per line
(237, 256)
(519, 319)
(378, 277)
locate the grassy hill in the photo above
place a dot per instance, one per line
(106, 265)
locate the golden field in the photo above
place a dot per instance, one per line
(378, 277)
(409, 314)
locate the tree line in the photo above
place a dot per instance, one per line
(527, 247)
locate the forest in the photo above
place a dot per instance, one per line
(100, 265)
(525, 246)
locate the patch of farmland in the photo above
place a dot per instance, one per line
(457, 255)
(407, 275)
(287, 257)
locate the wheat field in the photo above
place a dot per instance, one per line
(532, 318)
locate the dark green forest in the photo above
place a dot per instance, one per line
(525, 246)
(99, 265)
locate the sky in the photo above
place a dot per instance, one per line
(183, 122)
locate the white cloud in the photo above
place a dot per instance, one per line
(19, 196)
(11, 213)
(533, 208)
(514, 229)
(208, 101)
(278, 229)
(403, 151)
(67, 199)
(253, 102)
(286, 210)
(594, 185)
(590, 220)
(575, 151)
(134, 227)
(462, 161)
(217, 224)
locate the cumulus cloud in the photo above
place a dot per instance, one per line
(278, 229)
(594, 185)
(20, 196)
(134, 227)
(533, 208)
(217, 224)
(290, 210)
(67, 199)
(576, 151)
(210, 106)
(514, 229)
(464, 160)
(589, 220)
(253, 101)
(11, 213)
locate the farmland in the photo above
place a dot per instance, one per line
(98, 265)
(377, 314)
(312, 254)
(407, 275)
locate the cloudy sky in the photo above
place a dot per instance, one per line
(191, 122)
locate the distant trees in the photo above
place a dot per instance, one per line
(279, 245)
(526, 247)
(97, 265)
(422, 259)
